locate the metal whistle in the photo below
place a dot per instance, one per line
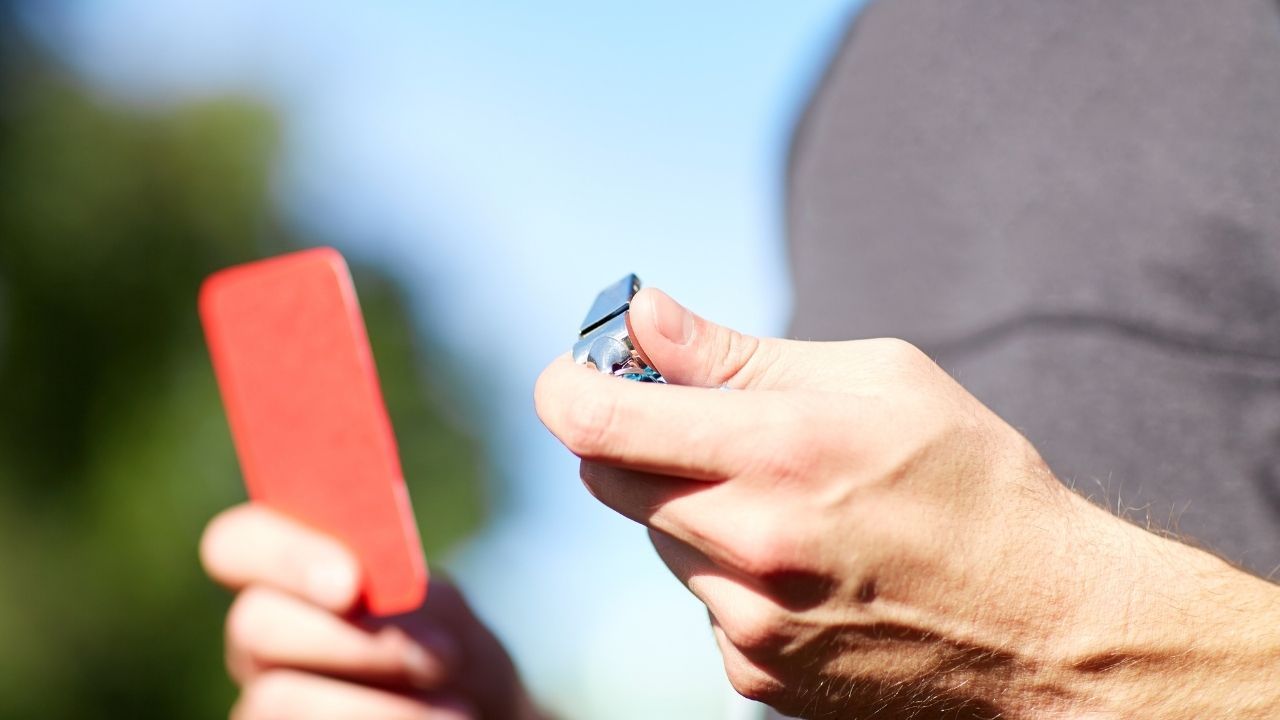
(604, 340)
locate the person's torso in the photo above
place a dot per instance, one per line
(1075, 208)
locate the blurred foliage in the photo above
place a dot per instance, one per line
(114, 450)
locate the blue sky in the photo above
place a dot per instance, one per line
(507, 160)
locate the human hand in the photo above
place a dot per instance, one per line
(299, 647)
(869, 538)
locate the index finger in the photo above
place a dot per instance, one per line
(695, 433)
(252, 545)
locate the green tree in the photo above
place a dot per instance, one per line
(113, 447)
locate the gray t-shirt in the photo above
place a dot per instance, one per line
(1075, 208)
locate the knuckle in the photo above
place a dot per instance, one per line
(757, 630)
(900, 350)
(544, 394)
(590, 425)
(750, 681)
(901, 358)
(788, 456)
(739, 356)
(792, 438)
(595, 478)
(246, 623)
(271, 696)
(768, 547)
(778, 462)
(214, 541)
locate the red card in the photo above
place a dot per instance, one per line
(297, 377)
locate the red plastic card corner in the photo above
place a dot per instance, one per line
(298, 381)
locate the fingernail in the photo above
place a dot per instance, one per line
(331, 583)
(673, 322)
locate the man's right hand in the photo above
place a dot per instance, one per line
(299, 647)
(871, 541)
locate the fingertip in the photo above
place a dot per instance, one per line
(667, 335)
(642, 321)
(217, 542)
(673, 321)
(252, 544)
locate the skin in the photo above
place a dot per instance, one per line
(871, 541)
(868, 539)
(299, 646)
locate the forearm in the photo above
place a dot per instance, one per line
(1181, 634)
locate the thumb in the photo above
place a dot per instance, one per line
(690, 350)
